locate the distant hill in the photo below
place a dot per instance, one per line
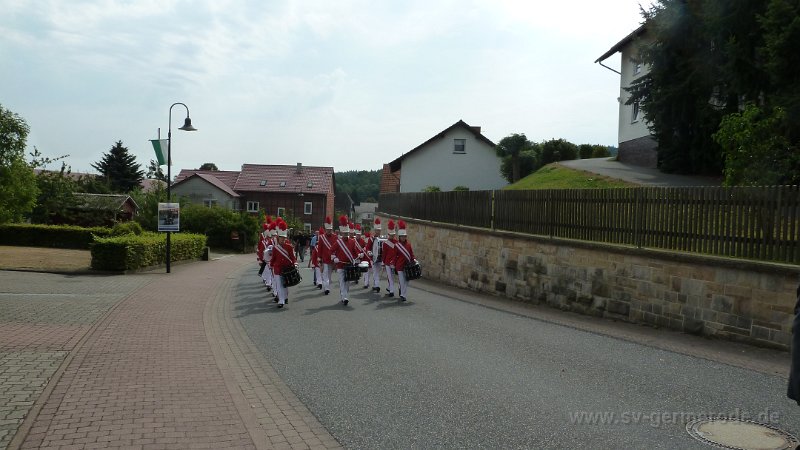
(362, 185)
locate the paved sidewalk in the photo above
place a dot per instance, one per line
(164, 366)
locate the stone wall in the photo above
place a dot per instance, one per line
(640, 152)
(732, 299)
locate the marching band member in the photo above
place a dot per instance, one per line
(377, 262)
(268, 243)
(314, 260)
(404, 255)
(364, 244)
(325, 244)
(282, 259)
(344, 252)
(260, 250)
(388, 251)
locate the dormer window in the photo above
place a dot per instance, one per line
(283, 184)
(310, 185)
(263, 183)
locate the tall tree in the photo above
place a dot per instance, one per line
(120, 169)
(154, 171)
(511, 147)
(56, 191)
(208, 166)
(558, 150)
(17, 181)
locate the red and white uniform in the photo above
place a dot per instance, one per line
(325, 245)
(282, 259)
(344, 252)
(387, 253)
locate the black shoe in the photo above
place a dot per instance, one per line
(402, 299)
(327, 292)
(275, 299)
(366, 287)
(345, 301)
(390, 294)
(377, 289)
(280, 306)
(286, 301)
(319, 286)
(269, 288)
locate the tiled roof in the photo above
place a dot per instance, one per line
(277, 178)
(228, 177)
(211, 179)
(104, 202)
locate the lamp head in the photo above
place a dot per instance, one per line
(187, 125)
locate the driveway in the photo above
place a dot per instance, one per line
(636, 174)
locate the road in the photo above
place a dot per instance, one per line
(440, 372)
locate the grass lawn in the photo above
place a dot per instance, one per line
(556, 176)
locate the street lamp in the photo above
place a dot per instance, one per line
(187, 126)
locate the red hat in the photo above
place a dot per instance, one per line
(402, 228)
(391, 226)
(265, 226)
(344, 226)
(358, 228)
(281, 227)
(272, 226)
(321, 230)
(328, 223)
(377, 223)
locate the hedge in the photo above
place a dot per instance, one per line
(53, 236)
(131, 252)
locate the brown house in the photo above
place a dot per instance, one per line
(103, 209)
(305, 192)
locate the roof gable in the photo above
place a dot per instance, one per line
(210, 179)
(102, 202)
(227, 177)
(476, 131)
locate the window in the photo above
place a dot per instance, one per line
(369, 215)
(281, 212)
(459, 145)
(283, 184)
(307, 227)
(637, 67)
(307, 208)
(637, 111)
(263, 183)
(208, 203)
(310, 184)
(252, 206)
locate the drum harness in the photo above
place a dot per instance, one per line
(405, 253)
(346, 250)
(282, 251)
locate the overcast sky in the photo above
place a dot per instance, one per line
(351, 84)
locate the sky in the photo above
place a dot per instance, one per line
(349, 84)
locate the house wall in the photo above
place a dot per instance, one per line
(635, 144)
(436, 165)
(270, 202)
(197, 190)
(733, 299)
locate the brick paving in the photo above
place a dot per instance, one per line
(149, 360)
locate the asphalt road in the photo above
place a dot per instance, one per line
(436, 372)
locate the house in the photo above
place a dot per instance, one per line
(304, 192)
(103, 209)
(344, 204)
(457, 156)
(364, 214)
(636, 145)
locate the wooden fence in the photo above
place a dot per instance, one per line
(759, 223)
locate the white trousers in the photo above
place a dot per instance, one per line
(390, 275)
(344, 286)
(401, 277)
(377, 267)
(318, 275)
(280, 289)
(267, 275)
(326, 276)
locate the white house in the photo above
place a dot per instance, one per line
(206, 189)
(458, 156)
(636, 144)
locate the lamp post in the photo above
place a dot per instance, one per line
(187, 126)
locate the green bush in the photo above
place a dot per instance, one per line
(126, 228)
(132, 252)
(217, 224)
(54, 236)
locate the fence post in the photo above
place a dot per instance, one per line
(491, 221)
(637, 225)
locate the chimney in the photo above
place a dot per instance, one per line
(299, 167)
(476, 129)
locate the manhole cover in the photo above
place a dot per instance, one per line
(737, 434)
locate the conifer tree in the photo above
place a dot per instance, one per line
(120, 169)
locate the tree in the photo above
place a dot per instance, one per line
(432, 189)
(120, 169)
(558, 150)
(510, 147)
(207, 166)
(17, 181)
(592, 151)
(154, 171)
(529, 162)
(55, 198)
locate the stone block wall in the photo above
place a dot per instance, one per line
(732, 299)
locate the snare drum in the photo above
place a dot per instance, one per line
(351, 272)
(363, 266)
(413, 271)
(291, 277)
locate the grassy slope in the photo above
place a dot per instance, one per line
(556, 176)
